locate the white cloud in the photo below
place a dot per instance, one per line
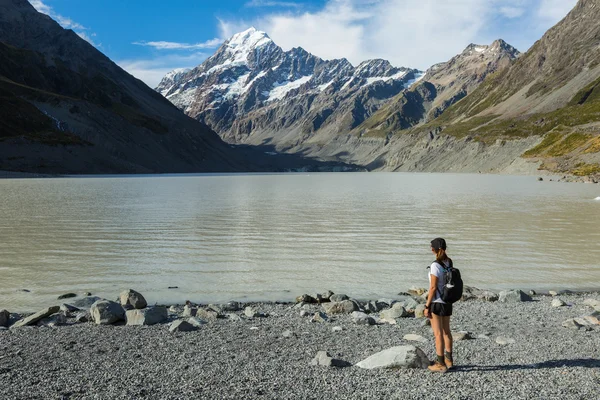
(270, 3)
(554, 10)
(151, 71)
(65, 22)
(412, 33)
(162, 45)
(512, 12)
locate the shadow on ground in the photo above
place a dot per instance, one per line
(579, 362)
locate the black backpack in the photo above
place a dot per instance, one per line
(453, 284)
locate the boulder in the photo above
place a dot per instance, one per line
(68, 308)
(175, 310)
(472, 293)
(337, 298)
(337, 329)
(106, 312)
(4, 318)
(181, 326)
(342, 307)
(417, 291)
(461, 335)
(410, 304)
(397, 311)
(324, 359)
(414, 338)
(320, 317)
(54, 320)
(513, 296)
(83, 317)
(189, 311)
(305, 298)
(251, 312)
(327, 296)
(133, 299)
(147, 316)
(197, 322)
(396, 357)
(553, 293)
(594, 303)
(85, 303)
(232, 306)
(558, 303)
(420, 311)
(360, 318)
(504, 341)
(207, 315)
(33, 319)
(66, 296)
(233, 317)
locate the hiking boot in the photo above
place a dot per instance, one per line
(438, 367)
(449, 363)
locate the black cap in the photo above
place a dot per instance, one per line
(438, 243)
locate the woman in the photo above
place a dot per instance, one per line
(437, 309)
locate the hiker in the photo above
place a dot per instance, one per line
(437, 309)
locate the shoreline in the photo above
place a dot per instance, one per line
(502, 350)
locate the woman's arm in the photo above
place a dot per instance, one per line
(431, 295)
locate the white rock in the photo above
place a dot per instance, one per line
(513, 296)
(196, 322)
(131, 298)
(415, 338)
(503, 341)
(462, 335)
(360, 318)
(147, 316)
(33, 319)
(558, 303)
(288, 334)
(189, 311)
(337, 329)
(396, 357)
(181, 326)
(106, 312)
(324, 359)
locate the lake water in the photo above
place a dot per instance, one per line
(275, 236)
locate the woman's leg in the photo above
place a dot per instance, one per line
(447, 334)
(438, 332)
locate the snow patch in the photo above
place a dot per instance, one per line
(325, 86)
(397, 76)
(281, 89)
(418, 76)
(597, 198)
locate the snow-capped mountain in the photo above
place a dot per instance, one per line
(251, 87)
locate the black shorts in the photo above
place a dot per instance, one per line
(441, 309)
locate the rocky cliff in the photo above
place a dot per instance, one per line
(66, 108)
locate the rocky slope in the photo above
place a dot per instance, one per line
(251, 91)
(552, 91)
(66, 108)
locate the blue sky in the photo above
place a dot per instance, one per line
(151, 37)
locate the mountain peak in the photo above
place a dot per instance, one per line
(250, 38)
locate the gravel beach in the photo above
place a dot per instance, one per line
(250, 357)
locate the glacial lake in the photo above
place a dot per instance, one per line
(275, 236)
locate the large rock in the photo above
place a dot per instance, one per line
(513, 296)
(4, 318)
(181, 326)
(320, 317)
(189, 311)
(208, 315)
(595, 304)
(397, 311)
(147, 316)
(106, 312)
(85, 303)
(232, 306)
(558, 303)
(410, 304)
(417, 291)
(252, 312)
(337, 298)
(66, 296)
(420, 311)
(131, 298)
(33, 319)
(396, 357)
(472, 293)
(415, 338)
(197, 322)
(341, 307)
(305, 298)
(360, 318)
(324, 359)
(54, 320)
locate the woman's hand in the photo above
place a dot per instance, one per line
(426, 313)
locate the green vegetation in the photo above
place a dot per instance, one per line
(549, 140)
(588, 94)
(568, 144)
(583, 169)
(594, 146)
